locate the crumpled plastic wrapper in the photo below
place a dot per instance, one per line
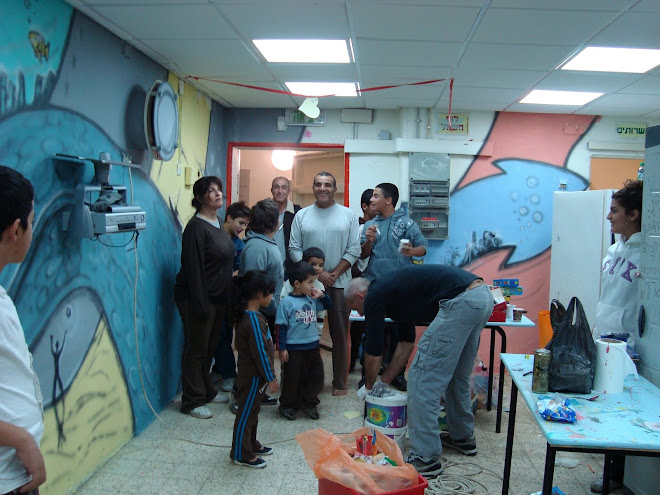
(556, 409)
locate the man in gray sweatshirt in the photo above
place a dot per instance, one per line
(334, 229)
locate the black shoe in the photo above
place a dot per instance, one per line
(264, 451)
(429, 469)
(233, 407)
(268, 400)
(312, 412)
(465, 447)
(257, 463)
(289, 414)
(400, 383)
(597, 485)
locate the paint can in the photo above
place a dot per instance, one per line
(387, 412)
(541, 371)
(396, 434)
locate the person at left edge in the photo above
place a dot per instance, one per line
(202, 291)
(22, 467)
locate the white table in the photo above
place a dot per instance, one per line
(610, 424)
(494, 326)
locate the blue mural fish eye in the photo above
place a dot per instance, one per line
(512, 209)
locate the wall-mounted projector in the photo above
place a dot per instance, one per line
(103, 208)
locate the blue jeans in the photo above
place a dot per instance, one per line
(442, 366)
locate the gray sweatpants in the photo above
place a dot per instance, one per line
(443, 365)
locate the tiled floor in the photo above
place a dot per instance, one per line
(164, 460)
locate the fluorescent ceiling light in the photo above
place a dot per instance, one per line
(545, 97)
(604, 59)
(322, 88)
(304, 51)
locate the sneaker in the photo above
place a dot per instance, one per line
(220, 399)
(258, 463)
(289, 414)
(201, 412)
(466, 447)
(268, 400)
(233, 408)
(429, 469)
(312, 412)
(264, 451)
(400, 383)
(227, 384)
(597, 485)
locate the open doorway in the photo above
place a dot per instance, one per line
(251, 169)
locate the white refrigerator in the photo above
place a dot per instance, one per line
(580, 239)
(642, 474)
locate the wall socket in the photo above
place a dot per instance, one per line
(281, 126)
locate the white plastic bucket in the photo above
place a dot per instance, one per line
(397, 434)
(387, 412)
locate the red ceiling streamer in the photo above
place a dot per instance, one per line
(282, 92)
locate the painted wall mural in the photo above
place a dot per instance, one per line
(75, 297)
(501, 209)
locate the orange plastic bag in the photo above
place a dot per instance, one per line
(331, 457)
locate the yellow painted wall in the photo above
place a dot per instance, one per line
(169, 176)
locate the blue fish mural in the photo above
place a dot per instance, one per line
(58, 266)
(512, 209)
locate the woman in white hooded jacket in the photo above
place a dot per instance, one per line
(617, 307)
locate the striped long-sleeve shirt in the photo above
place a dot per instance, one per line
(255, 347)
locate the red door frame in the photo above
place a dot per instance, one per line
(289, 146)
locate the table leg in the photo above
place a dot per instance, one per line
(606, 475)
(500, 392)
(549, 470)
(489, 394)
(509, 439)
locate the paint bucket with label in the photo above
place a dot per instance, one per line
(388, 415)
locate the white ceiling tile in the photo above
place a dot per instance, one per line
(539, 26)
(621, 101)
(391, 74)
(289, 19)
(423, 23)
(634, 30)
(315, 72)
(223, 58)
(417, 53)
(249, 98)
(648, 85)
(518, 57)
(609, 5)
(532, 108)
(394, 103)
(484, 94)
(426, 91)
(169, 21)
(497, 78)
(602, 82)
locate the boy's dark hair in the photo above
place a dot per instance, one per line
(264, 217)
(630, 197)
(300, 271)
(313, 252)
(365, 199)
(389, 191)
(201, 187)
(16, 196)
(249, 286)
(237, 210)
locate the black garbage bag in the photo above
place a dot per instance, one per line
(557, 313)
(573, 359)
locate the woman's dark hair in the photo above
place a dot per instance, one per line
(313, 252)
(264, 217)
(300, 271)
(630, 197)
(16, 196)
(249, 286)
(201, 187)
